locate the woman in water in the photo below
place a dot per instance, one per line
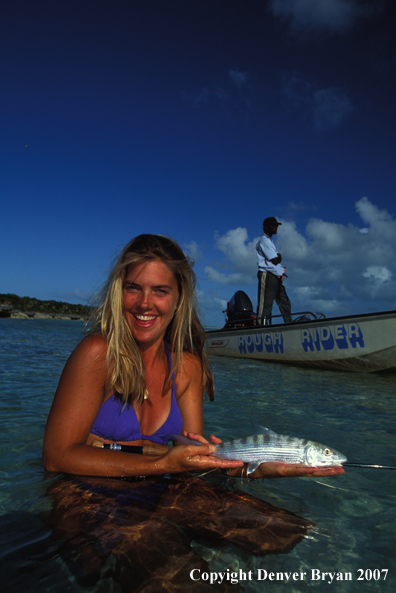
(139, 376)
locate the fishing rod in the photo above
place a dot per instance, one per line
(370, 465)
(161, 449)
(140, 450)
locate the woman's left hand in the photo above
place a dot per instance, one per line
(275, 469)
(193, 436)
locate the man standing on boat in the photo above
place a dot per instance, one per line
(270, 276)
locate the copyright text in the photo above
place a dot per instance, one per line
(264, 575)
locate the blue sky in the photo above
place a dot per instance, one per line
(198, 119)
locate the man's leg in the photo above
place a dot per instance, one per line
(260, 296)
(284, 304)
(271, 290)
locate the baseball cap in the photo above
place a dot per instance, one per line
(271, 221)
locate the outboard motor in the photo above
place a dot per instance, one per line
(239, 311)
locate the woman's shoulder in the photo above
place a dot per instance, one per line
(191, 362)
(86, 369)
(92, 347)
(190, 372)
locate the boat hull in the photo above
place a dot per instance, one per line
(362, 343)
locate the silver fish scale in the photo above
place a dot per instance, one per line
(263, 447)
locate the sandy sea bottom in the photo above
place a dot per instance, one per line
(60, 533)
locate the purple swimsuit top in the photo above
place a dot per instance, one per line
(116, 424)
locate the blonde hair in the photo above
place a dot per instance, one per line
(126, 374)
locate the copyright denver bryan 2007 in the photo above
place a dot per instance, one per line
(314, 574)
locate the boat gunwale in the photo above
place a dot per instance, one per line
(298, 324)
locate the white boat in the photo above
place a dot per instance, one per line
(363, 343)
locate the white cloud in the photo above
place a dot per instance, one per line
(235, 279)
(299, 206)
(332, 268)
(240, 256)
(292, 240)
(332, 16)
(238, 78)
(210, 305)
(378, 282)
(327, 108)
(232, 90)
(329, 236)
(207, 95)
(317, 304)
(299, 91)
(378, 274)
(379, 221)
(237, 248)
(331, 107)
(192, 250)
(341, 261)
(82, 295)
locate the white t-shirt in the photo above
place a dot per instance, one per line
(266, 251)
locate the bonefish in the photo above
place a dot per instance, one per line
(267, 445)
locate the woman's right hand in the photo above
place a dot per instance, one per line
(194, 458)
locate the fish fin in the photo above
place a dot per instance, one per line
(262, 430)
(252, 466)
(184, 440)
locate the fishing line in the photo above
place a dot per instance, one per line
(206, 473)
(334, 487)
(370, 465)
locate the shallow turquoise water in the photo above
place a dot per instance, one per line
(353, 515)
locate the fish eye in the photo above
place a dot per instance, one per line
(327, 451)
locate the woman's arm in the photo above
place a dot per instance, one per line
(189, 394)
(80, 394)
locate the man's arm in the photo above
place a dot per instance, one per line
(276, 260)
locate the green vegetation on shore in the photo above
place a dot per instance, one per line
(29, 305)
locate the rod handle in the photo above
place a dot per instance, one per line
(155, 449)
(142, 450)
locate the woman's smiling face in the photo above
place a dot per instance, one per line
(150, 297)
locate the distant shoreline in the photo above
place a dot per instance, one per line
(15, 314)
(15, 307)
